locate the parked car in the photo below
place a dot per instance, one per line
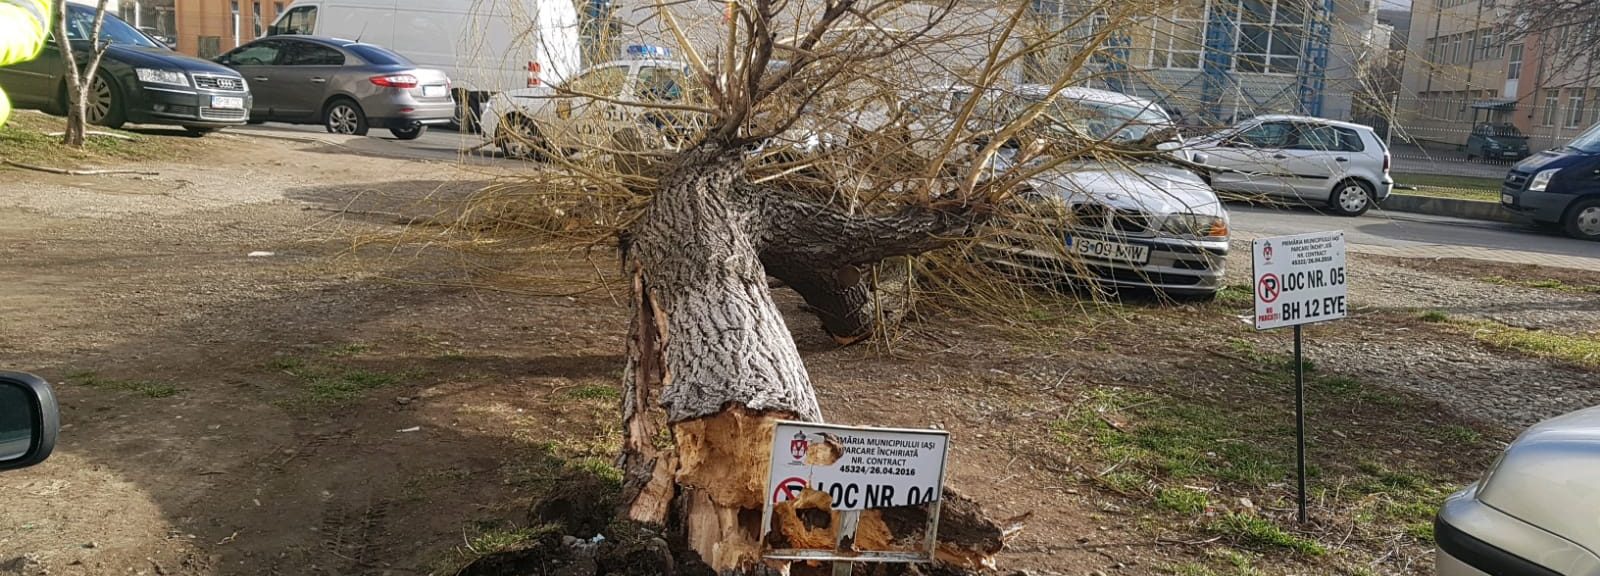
(1496, 142)
(532, 121)
(346, 86)
(485, 47)
(1533, 511)
(1560, 187)
(1340, 164)
(29, 420)
(1123, 223)
(140, 80)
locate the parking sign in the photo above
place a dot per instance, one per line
(1299, 279)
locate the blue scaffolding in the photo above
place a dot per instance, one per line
(1217, 67)
(1313, 73)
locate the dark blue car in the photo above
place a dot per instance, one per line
(1559, 188)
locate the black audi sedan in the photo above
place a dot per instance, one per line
(140, 80)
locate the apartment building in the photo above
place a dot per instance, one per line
(203, 28)
(1463, 69)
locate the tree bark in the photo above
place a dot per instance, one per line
(79, 80)
(711, 364)
(709, 346)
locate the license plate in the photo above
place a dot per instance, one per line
(1508, 199)
(432, 91)
(228, 102)
(1107, 250)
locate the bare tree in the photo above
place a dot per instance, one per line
(711, 363)
(83, 82)
(1565, 33)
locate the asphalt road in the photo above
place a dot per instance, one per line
(1377, 228)
(1404, 230)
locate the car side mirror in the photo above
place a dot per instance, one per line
(272, 30)
(1199, 158)
(30, 419)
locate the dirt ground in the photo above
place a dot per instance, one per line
(262, 371)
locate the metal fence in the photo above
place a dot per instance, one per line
(1483, 128)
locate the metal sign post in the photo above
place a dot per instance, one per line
(1299, 280)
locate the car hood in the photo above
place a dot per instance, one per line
(1558, 158)
(1145, 186)
(163, 58)
(1550, 476)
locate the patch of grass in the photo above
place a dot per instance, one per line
(594, 392)
(1235, 296)
(146, 388)
(1124, 482)
(1577, 349)
(496, 540)
(345, 385)
(1191, 569)
(1458, 187)
(1255, 530)
(1171, 439)
(23, 139)
(1340, 385)
(346, 350)
(334, 383)
(1422, 531)
(1182, 500)
(1545, 284)
(602, 469)
(1434, 316)
(1459, 434)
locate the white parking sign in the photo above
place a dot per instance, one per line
(1299, 279)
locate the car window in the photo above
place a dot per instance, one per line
(301, 20)
(257, 54)
(1313, 137)
(378, 56)
(660, 84)
(1265, 135)
(308, 54)
(80, 24)
(1350, 140)
(605, 81)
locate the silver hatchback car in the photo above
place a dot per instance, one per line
(346, 86)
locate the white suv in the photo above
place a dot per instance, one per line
(1343, 165)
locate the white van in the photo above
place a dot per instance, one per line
(485, 46)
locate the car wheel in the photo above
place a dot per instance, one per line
(104, 105)
(519, 138)
(199, 131)
(344, 116)
(1583, 220)
(1351, 198)
(411, 132)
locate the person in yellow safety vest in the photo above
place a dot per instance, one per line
(23, 27)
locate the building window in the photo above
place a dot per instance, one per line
(277, 9)
(1177, 41)
(1514, 62)
(1271, 36)
(235, 8)
(256, 20)
(1552, 101)
(1431, 53)
(1575, 107)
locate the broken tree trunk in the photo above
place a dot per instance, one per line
(711, 364)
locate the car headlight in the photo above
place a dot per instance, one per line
(1542, 180)
(158, 76)
(1195, 226)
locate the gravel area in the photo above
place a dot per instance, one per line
(1500, 387)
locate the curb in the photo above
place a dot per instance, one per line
(1451, 207)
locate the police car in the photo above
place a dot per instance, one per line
(609, 106)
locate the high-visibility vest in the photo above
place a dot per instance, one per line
(23, 27)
